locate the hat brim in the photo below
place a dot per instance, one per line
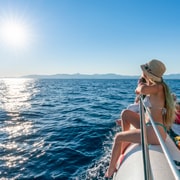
(149, 75)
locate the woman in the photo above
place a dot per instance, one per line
(161, 107)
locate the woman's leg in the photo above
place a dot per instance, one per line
(129, 117)
(130, 136)
(116, 151)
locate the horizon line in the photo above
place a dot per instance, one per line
(81, 74)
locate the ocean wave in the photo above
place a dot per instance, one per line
(60, 129)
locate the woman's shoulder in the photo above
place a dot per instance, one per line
(155, 89)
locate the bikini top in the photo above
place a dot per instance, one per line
(147, 102)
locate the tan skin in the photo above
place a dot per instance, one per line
(122, 139)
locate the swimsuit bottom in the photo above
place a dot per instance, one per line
(157, 124)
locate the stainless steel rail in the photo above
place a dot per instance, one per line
(144, 144)
(145, 150)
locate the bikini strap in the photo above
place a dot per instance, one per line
(162, 125)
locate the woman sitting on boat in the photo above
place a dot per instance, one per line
(161, 107)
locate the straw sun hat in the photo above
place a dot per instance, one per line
(154, 70)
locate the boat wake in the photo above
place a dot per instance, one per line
(98, 168)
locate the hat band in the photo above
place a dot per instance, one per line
(148, 69)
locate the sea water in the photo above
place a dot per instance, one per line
(61, 129)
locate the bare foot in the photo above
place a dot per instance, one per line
(110, 172)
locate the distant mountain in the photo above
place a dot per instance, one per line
(82, 76)
(94, 76)
(172, 76)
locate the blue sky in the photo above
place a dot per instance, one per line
(90, 36)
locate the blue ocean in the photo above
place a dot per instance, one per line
(61, 129)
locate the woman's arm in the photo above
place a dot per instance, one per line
(147, 89)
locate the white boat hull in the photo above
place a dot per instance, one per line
(132, 168)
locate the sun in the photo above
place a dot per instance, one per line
(14, 33)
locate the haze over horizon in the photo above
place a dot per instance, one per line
(88, 37)
(87, 76)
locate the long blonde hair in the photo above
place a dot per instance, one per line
(169, 105)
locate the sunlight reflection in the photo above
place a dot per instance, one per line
(18, 129)
(15, 98)
(21, 152)
(16, 94)
(12, 161)
(9, 146)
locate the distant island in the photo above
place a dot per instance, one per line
(94, 76)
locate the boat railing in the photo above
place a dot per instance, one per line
(145, 150)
